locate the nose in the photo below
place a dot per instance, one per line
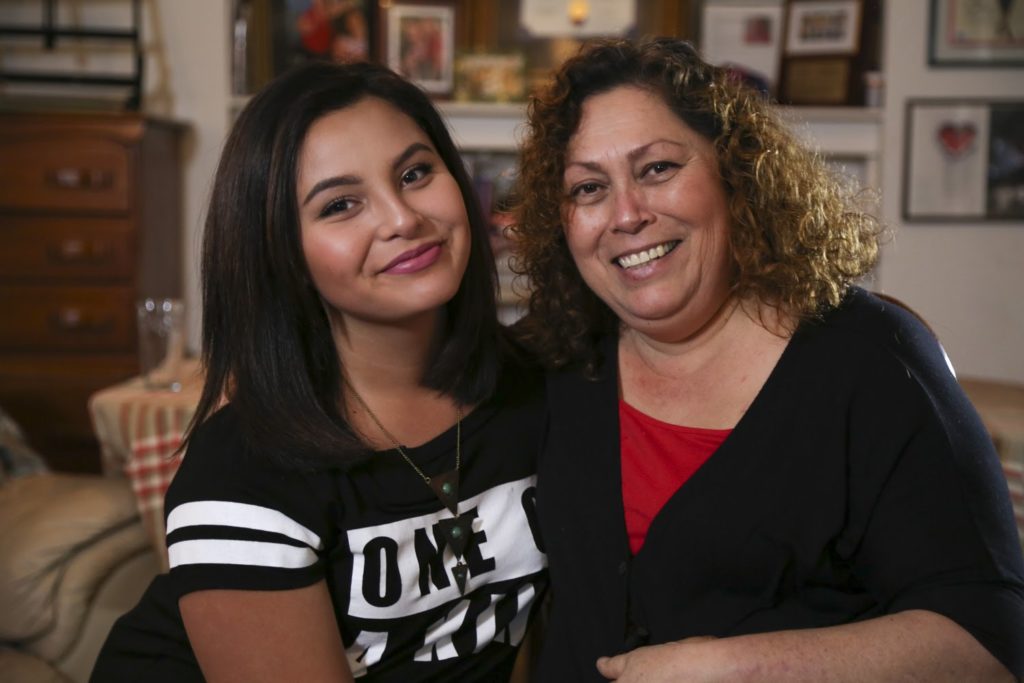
(630, 207)
(398, 218)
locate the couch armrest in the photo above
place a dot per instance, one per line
(60, 537)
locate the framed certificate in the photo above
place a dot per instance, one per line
(982, 33)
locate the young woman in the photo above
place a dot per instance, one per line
(356, 499)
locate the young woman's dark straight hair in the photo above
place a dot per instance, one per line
(267, 344)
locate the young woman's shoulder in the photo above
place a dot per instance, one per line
(217, 446)
(218, 465)
(222, 428)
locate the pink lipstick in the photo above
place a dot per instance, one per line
(414, 260)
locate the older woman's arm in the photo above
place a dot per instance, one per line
(909, 646)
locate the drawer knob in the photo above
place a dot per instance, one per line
(72, 319)
(74, 250)
(69, 178)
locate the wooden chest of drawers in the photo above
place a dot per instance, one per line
(90, 221)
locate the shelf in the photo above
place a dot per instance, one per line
(837, 131)
(50, 33)
(483, 126)
(842, 133)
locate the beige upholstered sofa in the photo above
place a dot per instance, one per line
(73, 557)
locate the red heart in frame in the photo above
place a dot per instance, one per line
(957, 139)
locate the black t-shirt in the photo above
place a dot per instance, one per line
(235, 520)
(860, 482)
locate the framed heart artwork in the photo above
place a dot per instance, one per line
(964, 160)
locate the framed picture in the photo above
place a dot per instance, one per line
(823, 27)
(831, 47)
(418, 42)
(964, 160)
(335, 30)
(576, 18)
(817, 81)
(976, 33)
(745, 37)
(271, 36)
(490, 77)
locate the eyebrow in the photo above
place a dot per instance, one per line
(339, 181)
(631, 155)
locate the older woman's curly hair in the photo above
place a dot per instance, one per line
(797, 238)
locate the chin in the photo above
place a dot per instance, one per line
(649, 311)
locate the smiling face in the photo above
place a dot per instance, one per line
(646, 219)
(384, 227)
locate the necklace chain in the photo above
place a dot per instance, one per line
(457, 531)
(398, 447)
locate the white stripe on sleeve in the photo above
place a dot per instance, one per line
(242, 516)
(254, 553)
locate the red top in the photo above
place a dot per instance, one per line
(657, 458)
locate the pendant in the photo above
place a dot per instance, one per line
(446, 487)
(460, 572)
(457, 531)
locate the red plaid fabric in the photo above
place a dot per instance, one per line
(140, 431)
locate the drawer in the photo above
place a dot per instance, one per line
(47, 248)
(55, 318)
(57, 171)
(48, 396)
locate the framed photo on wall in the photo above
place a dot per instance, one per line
(335, 30)
(745, 37)
(418, 42)
(822, 58)
(823, 27)
(271, 36)
(964, 160)
(982, 33)
(490, 77)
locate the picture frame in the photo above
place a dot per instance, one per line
(329, 30)
(490, 77)
(823, 27)
(831, 53)
(417, 40)
(963, 160)
(270, 37)
(817, 81)
(555, 19)
(746, 36)
(976, 33)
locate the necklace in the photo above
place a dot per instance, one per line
(458, 530)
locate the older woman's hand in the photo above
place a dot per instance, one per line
(915, 645)
(680, 660)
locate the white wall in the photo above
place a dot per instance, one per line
(966, 279)
(188, 72)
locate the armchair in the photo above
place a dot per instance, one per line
(73, 558)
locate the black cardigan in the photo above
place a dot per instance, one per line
(860, 482)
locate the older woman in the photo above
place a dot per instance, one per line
(754, 469)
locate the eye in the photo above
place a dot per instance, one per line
(585, 192)
(340, 205)
(416, 173)
(658, 168)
